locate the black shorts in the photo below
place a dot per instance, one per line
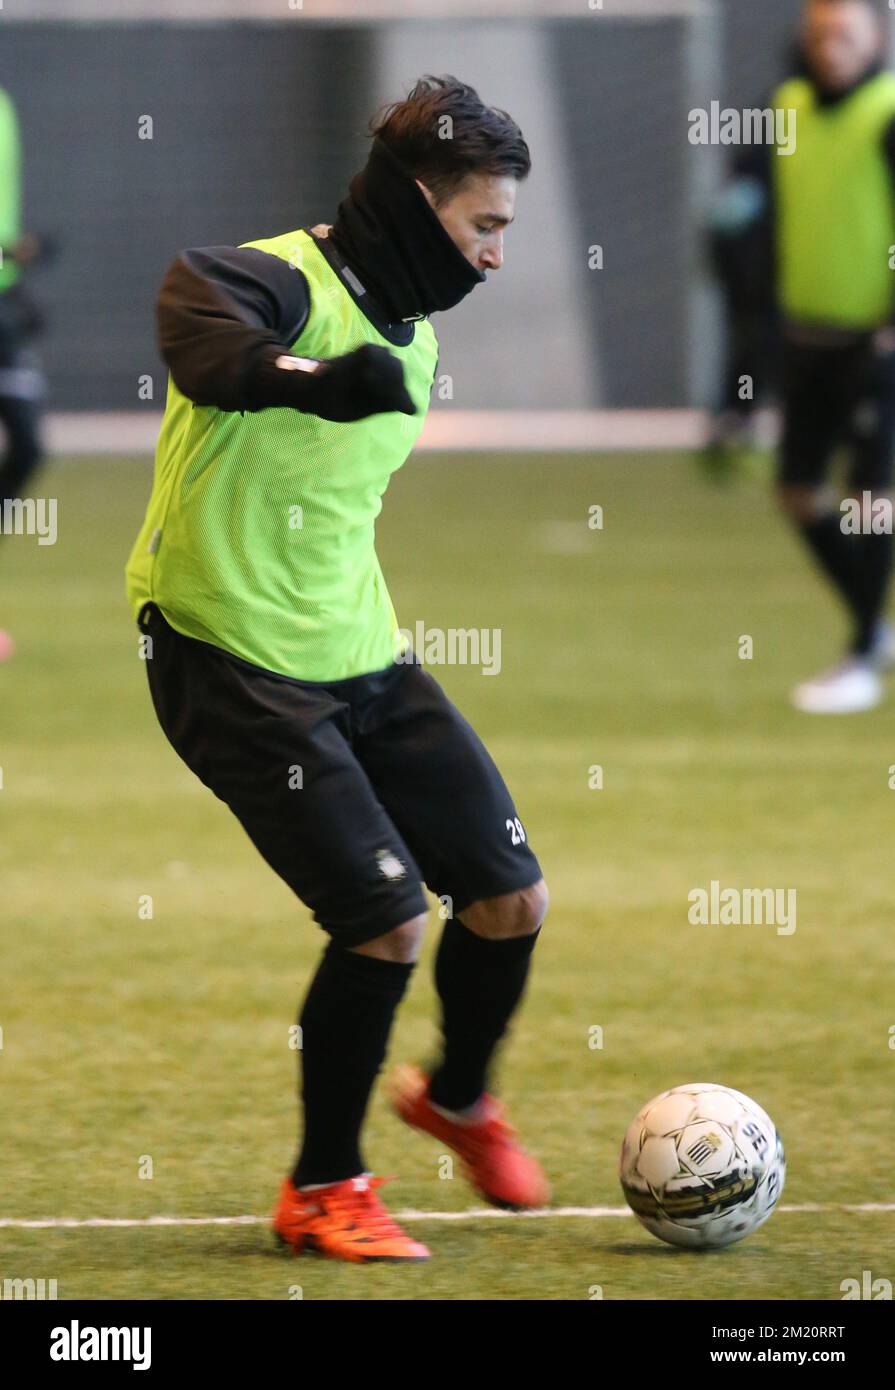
(356, 792)
(833, 396)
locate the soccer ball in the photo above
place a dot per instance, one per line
(702, 1166)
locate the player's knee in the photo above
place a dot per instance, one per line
(512, 914)
(801, 504)
(23, 449)
(401, 944)
(535, 902)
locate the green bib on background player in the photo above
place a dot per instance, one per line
(10, 188)
(259, 536)
(835, 213)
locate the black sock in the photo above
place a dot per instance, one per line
(346, 1020)
(860, 567)
(876, 554)
(479, 982)
(839, 556)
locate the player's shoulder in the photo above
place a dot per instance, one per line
(245, 269)
(886, 86)
(795, 90)
(296, 248)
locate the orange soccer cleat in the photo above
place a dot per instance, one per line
(496, 1164)
(344, 1220)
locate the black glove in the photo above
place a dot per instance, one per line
(20, 317)
(363, 382)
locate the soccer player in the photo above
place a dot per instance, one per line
(300, 373)
(740, 247)
(833, 204)
(21, 386)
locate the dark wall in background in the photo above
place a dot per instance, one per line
(243, 119)
(624, 97)
(759, 38)
(258, 128)
(624, 113)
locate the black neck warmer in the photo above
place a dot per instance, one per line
(393, 241)
(827, 96)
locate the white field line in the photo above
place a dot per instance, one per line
(472, 1214)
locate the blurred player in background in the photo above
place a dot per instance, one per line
(800, 245)
(301, 369)
(741, 252)
(832, 214)
(21, 384)
(740, 247)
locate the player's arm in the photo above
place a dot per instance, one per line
(227, 318)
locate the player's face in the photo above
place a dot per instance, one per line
(841, 40)
(476, 216)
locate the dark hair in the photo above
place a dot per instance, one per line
(475, 139)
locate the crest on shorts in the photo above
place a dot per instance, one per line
(390, 865)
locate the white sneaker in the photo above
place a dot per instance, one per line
(852, 686)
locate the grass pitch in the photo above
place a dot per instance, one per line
(126, 1038)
